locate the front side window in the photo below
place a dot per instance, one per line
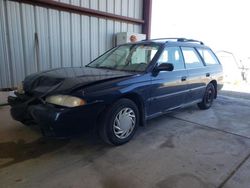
(172, 55)
(208, 56)
(191, 58)
(129, 57)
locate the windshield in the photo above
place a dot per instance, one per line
(129, 57)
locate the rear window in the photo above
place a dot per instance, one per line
(208, 56)
(191, 57)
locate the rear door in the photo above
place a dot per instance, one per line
(169, 88)
(198, 75)
(214, 68)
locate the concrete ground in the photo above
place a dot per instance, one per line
(188, 148)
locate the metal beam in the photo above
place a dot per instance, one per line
(79, 10)
(147, 15)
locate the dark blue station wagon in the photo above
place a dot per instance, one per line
(121, 89)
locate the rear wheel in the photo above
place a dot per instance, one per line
(118, 125)
(208, 97)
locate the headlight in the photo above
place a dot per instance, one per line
(65, 100)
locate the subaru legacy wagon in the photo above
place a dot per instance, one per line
(121, 89)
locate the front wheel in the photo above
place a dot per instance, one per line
(208, 97)
(118, 125)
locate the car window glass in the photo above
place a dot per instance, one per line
(191, 58)
(153, 52)
(128, 57)
(143, 54)
(118, 57)
(172, 55)
(208, 56)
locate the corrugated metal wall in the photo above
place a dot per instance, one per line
(33, 38)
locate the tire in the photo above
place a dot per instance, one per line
(123, 115)
(208, 97)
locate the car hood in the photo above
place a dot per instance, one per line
(67, 79)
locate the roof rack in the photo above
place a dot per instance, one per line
(180, 40)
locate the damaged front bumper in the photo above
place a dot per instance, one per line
(54, 120)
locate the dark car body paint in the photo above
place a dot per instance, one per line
(67, 79)
(159, 92)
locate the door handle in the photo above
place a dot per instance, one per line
(207, 74)
(183, 78)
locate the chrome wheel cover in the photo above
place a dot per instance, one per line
(124, 123)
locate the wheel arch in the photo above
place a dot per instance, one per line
(137, 99)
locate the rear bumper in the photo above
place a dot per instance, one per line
(54, 121)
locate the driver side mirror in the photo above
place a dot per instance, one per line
(165, 67)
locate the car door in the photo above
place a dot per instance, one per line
(198, 76)
(214, 68)
(169, 87)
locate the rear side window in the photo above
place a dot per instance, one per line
(191, 57)
(172, 55)
(208, 56)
